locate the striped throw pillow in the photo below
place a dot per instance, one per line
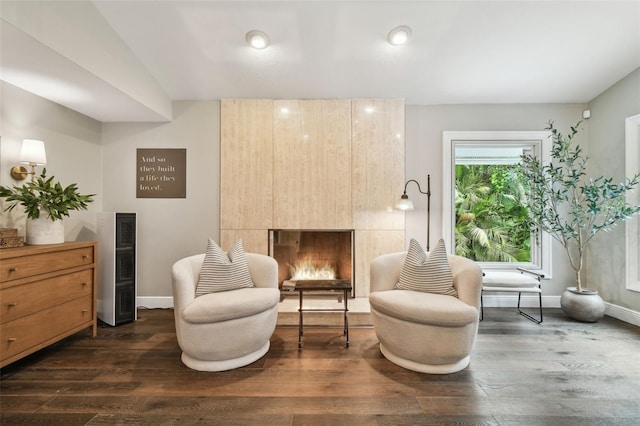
(222, 271)
(430, 274)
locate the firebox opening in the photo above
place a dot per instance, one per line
(312, 254)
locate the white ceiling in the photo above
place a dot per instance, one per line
(459, 52)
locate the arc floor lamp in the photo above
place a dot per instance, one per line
(406, 204)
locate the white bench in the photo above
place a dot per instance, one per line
(520, 281)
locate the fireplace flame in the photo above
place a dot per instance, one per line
(307, 270)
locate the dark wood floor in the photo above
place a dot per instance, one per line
(558, 373)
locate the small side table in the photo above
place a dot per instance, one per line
(303, 286)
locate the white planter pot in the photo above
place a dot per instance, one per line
(585, 306)
(44, 231)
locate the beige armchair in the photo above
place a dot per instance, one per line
(425, 332)
(228, 329)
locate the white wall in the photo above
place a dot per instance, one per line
(64, 34)
(173, 228)
(168, 229)
(607, 257)
(101, 158)
(424, 127)
(72, 143)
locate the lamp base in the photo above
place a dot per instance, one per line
(19, 173)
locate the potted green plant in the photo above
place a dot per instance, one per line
(45, 203)
(573, 209)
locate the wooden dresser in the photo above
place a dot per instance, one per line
(47, 292)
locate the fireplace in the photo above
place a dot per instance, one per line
(304, 254)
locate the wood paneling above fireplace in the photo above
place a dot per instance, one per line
(313, 164)
(246, 164)
(377, 162)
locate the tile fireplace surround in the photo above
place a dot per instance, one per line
(359, 312)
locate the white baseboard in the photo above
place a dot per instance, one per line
(511, 300)
(490, 301)
(156, 302)
(623, 314)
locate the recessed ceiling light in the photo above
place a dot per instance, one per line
(257, 39)
(399, 35)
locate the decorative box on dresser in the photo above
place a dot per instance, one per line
(47, 292)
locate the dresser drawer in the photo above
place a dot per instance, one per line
(25, 299)
(13, 268)
(36, 331)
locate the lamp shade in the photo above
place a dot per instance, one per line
(404, 203)
(33, 152)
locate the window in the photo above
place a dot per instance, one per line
(485, 199)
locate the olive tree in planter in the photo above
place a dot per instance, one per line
(573, 209)
(45, 203)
